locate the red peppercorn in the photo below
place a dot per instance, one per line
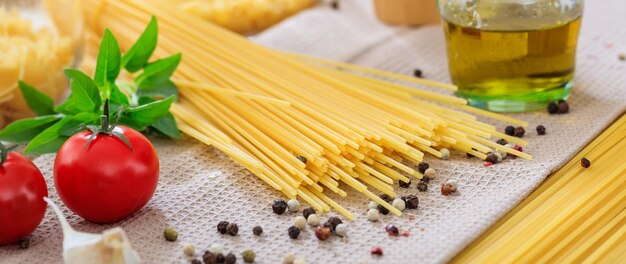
(322, 233)
(377, 251)
(392, 230)
(518, 148)
(447, 189)
(585, 163)
(487, 163)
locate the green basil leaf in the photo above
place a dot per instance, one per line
(109, 57)
(48, 141)
(39, 102)
(26, 129)
(116, 96)
(167, 126)
(160, 70)
(84, 97)
(139, 117)
(78, 122)
(139, 54)
(157, 90)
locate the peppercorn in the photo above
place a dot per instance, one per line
(492, 157)
(502, 142)
(289, 259)
(404, 184)
(293, 232)
(385, 197)
(216, 248)
(509, 130)
(377, 251)
(422, 167)
(585, 163)
(257, 230)
(392, 230)
(445, 153)
(170, 234)
(196, 261)
(334, 4)
(383, 210)
(372, 205)
(541, 130)
(279, 206)
(425, 180)
(563, 107)
(221, 227)
(621, 57)
(334, 221)
(519, 132)
(293, 205)
(299, 261)
(219, 258)
(553, 108)
(322, 233)
(302, 159)
(399, 204)
(418, 73)
(452, 184)
(208, 258)
(430, 173)
(230, 259)
(373, 215)
(232, 229)
(411, 201)
(516, 147)
(487, 163)
(313, 220)
(248, 255)
(422, 186)
(189, 249)
(308, 211)
(24, 243)
(446, 189)
(341, 230)
(299, 222)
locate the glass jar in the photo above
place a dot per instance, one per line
(512, 55)
(38, 40)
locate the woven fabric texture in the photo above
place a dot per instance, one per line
(200, 186)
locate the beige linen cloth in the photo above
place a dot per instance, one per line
(200, 186)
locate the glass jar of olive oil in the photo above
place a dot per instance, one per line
(512, 55)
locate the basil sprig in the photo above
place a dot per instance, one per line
(146, 101)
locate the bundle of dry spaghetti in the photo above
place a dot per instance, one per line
(300, 124)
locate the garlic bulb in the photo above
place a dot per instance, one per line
(110, 247)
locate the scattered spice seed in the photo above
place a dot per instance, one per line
(24, 243)
(621, 57)
(372, 205)
(563, 107)
(445, 153)
(492, 157)
(334, 4)
(328, 225)
(299, 261)
(553, 108)
(221, 227)
(257, 230)
(452, 184)
(302, 159)
(430, 173)
(487, 163)
(509, 130)
(422, 186)
(208, 258)
(341, 230)
(334, 221)
(189, 249)
(219, 258)
(385, 197)
(411, 201)
(289, 259)
(248, 255)
(406, 234)
(502, 142)
(322, 233)
(399, 204)
(232, 229)
(422, 167)
(230, 259)
(418, 73)
(516, 147)
(196, 261)
(279, 206)
(425, 180)
(170, 234)
(447, 189)
(377, 251)
(216, 248)
(308, 211)
(299, 222)
(541, 130)
(585, 163)
(383, 210)
(392, 230)
(373, 215)
(293, 232)
(519, 132)
(293, 205)
(313, 220)
(404, 184)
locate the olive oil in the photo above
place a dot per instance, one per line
(516, 70)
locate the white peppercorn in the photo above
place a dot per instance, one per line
(300, 222)
(289, 259)
(430, 173)
(216, 248)
(189, 249)
(373, 215)
(372, 205)
(453, 184)
(293, 205)
(341, 230)
(399, 204)
(313, 220)
(299, 261)
(445, 153)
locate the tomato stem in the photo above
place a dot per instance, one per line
(106, 127)
(4, 152)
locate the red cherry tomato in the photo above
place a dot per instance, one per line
(22, 189)
(106, 181)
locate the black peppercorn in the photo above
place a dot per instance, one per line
(492, 157)
(519, 132)
(404, 184)
(509, 130)
(302, 159)
(196, 261)
(422, 167)
(392, 230)
(208, 258)
(385, 197)
(585, 163)
(221, 227)
(418, 73)
(563, 107)
(425, 180)
(334, 4)
(308, 211)
(502, 142)
(411, 201)
(334, 221)
(232, 229)
(328, 225)
(553, 108)
(422, 186)
(219, 258)
(257, 230)
(24, 243)
(279, 206)
(541, 130)
(383, 210)
(293, 232)
(230, 259)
